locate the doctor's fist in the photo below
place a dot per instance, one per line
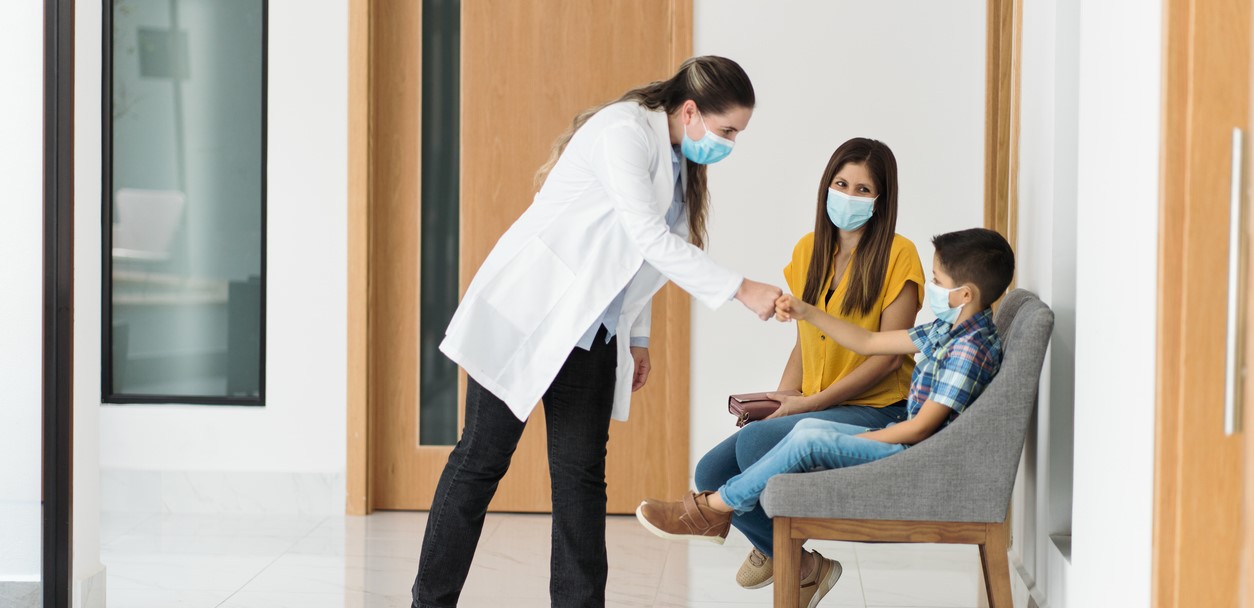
(759, 297)
(640, 374)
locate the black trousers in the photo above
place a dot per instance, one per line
(577, 410)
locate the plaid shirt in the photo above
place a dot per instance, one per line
(958, 362)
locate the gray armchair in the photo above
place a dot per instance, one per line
(952, 488)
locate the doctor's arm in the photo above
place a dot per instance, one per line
(620, 160)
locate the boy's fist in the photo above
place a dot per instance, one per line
(789, 307)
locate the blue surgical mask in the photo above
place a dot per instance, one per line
(849, 212)
(707, 150)
(938, 299)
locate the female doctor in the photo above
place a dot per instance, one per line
(560, 311)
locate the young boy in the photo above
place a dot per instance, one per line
(961, 353)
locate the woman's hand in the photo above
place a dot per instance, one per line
(788, 307)
(790, 402)
(758, 297)
(641, 375)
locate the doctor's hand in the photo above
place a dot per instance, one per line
(759, 297)
(641, 374)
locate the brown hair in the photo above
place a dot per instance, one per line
(715, 84)
(978, 256)
(870, 259)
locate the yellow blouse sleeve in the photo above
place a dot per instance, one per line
(903, 266)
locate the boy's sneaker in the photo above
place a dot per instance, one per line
(757, 571)
(690, 518)
(824, 577)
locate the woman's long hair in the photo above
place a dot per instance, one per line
(715, 84)
(870, 259)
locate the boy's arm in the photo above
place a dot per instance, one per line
(855, 338)
(927, 421)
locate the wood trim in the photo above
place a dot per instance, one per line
(1173, 153)
(681, 31)
(357, 500)
(1001, 124)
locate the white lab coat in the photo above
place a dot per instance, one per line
(597, 224)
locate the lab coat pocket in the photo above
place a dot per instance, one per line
(529, 286)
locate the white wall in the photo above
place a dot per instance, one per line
(1120, 110)
(825, 71)
(88, 571)
(21, 240)
(1046, 256)
(301, 430)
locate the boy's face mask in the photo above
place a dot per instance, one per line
(938, 300)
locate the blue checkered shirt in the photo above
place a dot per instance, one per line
(958, 362)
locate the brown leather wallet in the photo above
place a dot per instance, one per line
(749, 407)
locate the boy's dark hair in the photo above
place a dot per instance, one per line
(978, 256)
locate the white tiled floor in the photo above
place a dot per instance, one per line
(269, 561)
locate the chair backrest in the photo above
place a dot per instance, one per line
(966, 471)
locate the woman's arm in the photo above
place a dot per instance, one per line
(855, 338)
(899, 315)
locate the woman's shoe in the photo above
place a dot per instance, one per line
(757, 571)
(689, 519)
(824, 577)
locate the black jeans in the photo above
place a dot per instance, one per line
(577, 415)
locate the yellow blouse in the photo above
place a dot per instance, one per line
(823, 361)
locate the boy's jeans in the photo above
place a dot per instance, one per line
(812, 445)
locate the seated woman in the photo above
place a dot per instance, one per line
(855, 267)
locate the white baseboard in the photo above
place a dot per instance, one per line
(21, 594)
(1023, 587)
(90, 592)
(210, 492)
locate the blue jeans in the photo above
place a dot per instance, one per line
(812, 445)
(748, 445)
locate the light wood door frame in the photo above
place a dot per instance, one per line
(1001, 117)
(1197, 516)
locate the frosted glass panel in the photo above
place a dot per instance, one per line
(185, 288)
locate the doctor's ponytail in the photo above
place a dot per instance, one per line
(716, 84)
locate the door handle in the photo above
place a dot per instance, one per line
(1234, 367)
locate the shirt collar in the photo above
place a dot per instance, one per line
(981, 320)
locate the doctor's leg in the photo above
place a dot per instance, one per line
(461, 500)
(577, 410)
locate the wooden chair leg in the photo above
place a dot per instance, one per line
(787, 563)
(996, 564)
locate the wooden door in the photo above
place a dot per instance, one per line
(1198, 489)
(526, 69)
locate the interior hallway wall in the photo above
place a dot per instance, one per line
(21, 240)
(289, 455)
(847, 69)
(1046, 256)
(1120, 110)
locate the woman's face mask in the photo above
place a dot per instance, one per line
(849, 212)
(707, 150)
